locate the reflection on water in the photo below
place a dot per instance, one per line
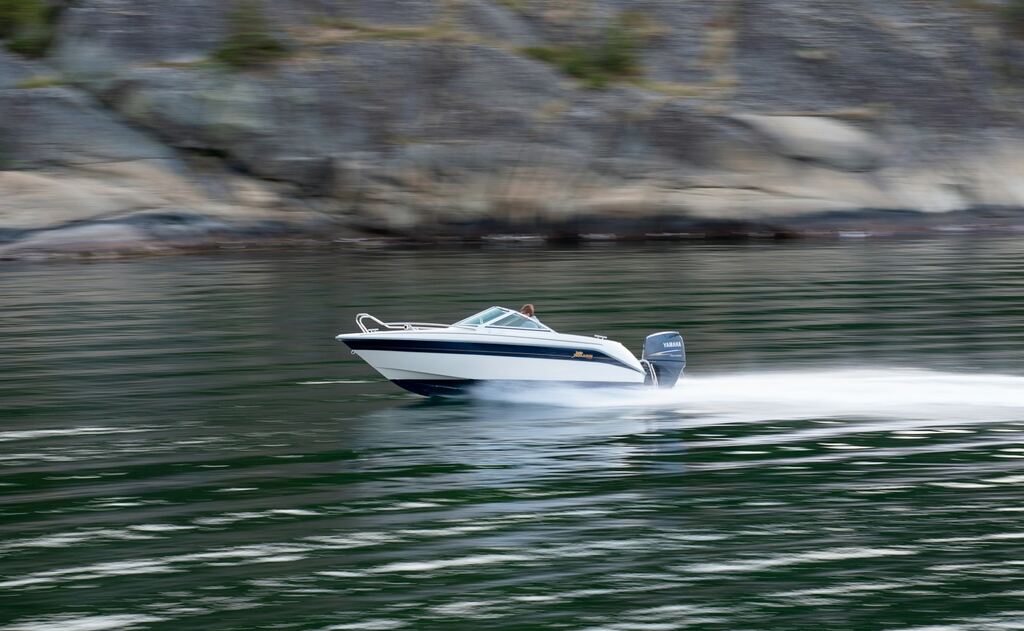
(183, 445)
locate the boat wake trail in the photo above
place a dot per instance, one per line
(883, 392)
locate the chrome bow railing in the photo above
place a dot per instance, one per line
(393, 326)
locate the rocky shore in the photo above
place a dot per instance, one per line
(148, 127)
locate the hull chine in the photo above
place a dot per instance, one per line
(460, 388)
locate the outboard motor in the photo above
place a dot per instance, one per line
(664, 358)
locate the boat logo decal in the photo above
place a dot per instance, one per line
(582, 355)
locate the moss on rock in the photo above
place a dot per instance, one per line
(27, 25)
(249, 42)
(610, 56)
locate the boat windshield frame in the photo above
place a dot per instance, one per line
(536, 325)
(500, 313)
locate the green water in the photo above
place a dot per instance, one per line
(184, 446)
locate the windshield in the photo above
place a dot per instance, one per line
(518, 321)
(483, 317)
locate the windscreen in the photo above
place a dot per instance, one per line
(517, 321)
(482, 317)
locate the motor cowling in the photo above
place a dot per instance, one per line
(664, 358)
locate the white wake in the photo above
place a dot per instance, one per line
(883, 392)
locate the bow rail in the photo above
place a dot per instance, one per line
(393, 326)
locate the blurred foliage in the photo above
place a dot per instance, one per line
(27, 25)
(513, 5)
(249, 41)
(609, 56)
(1013, 15)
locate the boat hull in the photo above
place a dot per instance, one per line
(440, 365)
(451, 388)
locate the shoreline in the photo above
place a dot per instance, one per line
(165, 234)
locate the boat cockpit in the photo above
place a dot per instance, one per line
(493, 317)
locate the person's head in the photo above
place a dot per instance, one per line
(527, 310)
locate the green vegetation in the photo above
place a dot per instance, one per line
(27, 25)
(513, 5)
(1013, 15)
(608, 57)
(40, 81)
(249, 42)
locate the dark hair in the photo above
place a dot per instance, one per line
(527, 310)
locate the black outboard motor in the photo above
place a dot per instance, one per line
(664, 358)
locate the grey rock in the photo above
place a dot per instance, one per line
(57, 126)
(97, 38)
(819, 139)
(682, 133)
(497, 22)
(103, 238)
(285, 124)
(392, 12)
(15, 70)
(923, 66)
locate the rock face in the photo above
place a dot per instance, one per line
(434, 117)
(47, 127)
(824, 141)
(77, 178)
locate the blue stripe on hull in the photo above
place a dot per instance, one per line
(461, 387)
(492, 349)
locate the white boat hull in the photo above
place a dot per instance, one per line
(450, 361)
(400, 365)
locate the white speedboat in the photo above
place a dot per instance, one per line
(503, 345)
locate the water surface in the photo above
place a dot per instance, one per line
(184, 446)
